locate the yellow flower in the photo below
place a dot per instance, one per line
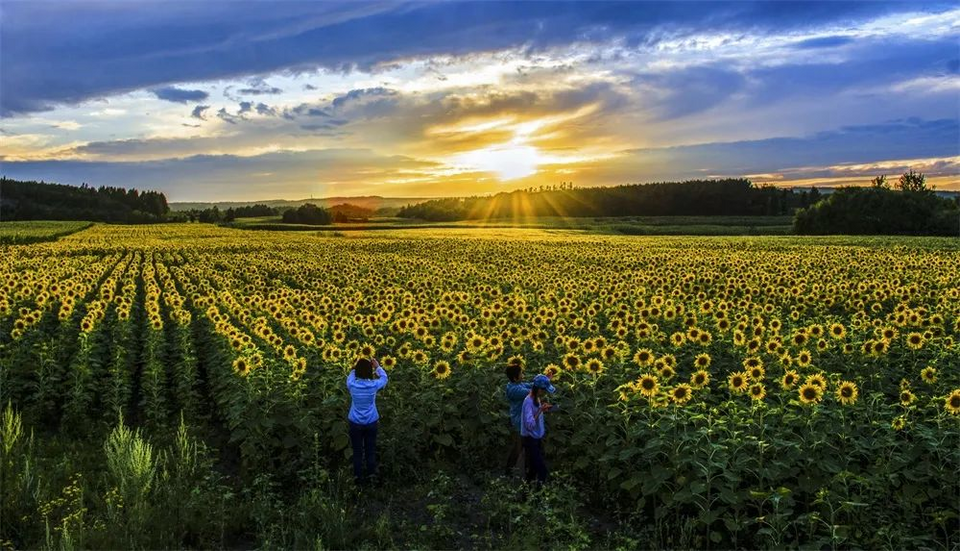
(594, 366)
(817, 379)
(681, 394)
(952, 402)
(899, 423)
(810, 393)
(915, 341)
(907, 397)
(702, 361)
(644, 357)
(847, 393)
(441, 369)
(929, 375)
(789, 379)
(737, 382)
(700, 379)
(648, 385)
(757, 391)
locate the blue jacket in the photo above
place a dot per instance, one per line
(533, 425)
(516, 392)
(363, 394)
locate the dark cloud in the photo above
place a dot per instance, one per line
(823, 42)
(197, 112)
(258, 87)
(899, 139)
(178, 95)
(225, 116)
(66, 52)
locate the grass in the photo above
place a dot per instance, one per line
(633, 225)
(22, 232)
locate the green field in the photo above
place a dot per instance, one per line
(35, 231)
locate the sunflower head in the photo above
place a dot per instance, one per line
(907, 397)
(789, 379)
(757, 391)
(702, 361)
(648, 385)
(810, 393)
(700, 379)
(952, 402)
(441, 369)
(737, 382)
(929, 375)
(847, 393)
(681, 394)
(594, 366)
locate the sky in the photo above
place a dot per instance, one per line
(248, 100)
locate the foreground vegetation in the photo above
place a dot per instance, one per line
(182, 385)
(21, 233)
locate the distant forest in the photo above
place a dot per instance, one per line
(43, 201)
(729, 197)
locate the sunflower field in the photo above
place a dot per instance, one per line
(722, 392)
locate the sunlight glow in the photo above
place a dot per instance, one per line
(508, 162)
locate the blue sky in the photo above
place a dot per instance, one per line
(255, 100)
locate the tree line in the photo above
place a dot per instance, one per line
(726, 197)
(20, 200)
(905, 207)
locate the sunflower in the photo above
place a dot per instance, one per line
(752, 362)
(757, 391)
(643, 357)
(899, 423)
(756, 372)
(702, 361)
(952, 402)
(789, 379)
(817, 379)
(553, 371)
(915, 341)
(810, 393)
(804, 358)
(594, 366)
(847, 393)
(838, 331)
(388, 362)
(907, 397)
(241, 366)
(677, 339)
(666, 372)
(929, 375)
(700, 379)
(648, 385)
(571, 361)
(737, 382)
(681, 394)
(441, 369)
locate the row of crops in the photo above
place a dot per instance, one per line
(733, 392)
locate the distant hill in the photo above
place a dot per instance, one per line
(372, 202)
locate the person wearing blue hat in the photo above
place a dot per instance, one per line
(533, 428)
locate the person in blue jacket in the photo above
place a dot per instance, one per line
(363, 415)
(516, 391)
(533, 428)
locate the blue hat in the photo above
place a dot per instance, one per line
(542, 381)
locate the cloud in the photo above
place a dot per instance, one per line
(198, 111)
(823, 42)
(69, 52)
(259, 87)
(177, 95)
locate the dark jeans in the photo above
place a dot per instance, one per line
(363, 438)
(516, 446)
(536, 466)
